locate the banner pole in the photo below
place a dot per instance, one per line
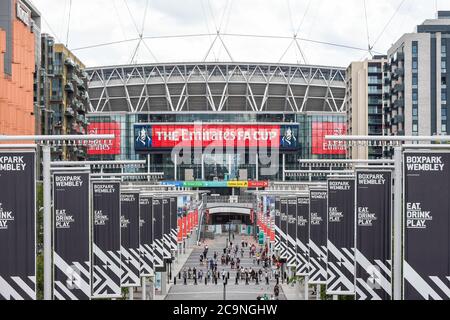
(144, 297)
(306, 288)
(397, 221)
(47, 222)
(130, 289)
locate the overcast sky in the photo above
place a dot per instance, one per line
(342, 22)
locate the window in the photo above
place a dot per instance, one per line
(414, 111)
(444, 95)
(415, 48)
(414, 96)
(415, 127)
(444, 66)
(414, 79)
(444, 128)
(414, 64)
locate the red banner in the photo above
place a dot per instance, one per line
(320, 130)
(189, 220)
(180, 229)
(184, 227)
(258, 184)
(196, 218)
(169, 136)
(99, 147)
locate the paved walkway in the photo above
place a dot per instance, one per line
(210, 291)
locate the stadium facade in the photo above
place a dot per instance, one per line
(235, 107)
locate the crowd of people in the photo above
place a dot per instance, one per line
(262, 270)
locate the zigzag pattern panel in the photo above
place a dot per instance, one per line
(340, 271)
(373, 281)
(17, 288)
(77, 275)
(429, 288)
(317, 263)
(106, 274)
(131, 267)
(146, 261)
(158, 252)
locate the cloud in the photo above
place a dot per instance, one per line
(342, 22)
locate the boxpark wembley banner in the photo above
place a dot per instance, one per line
(146, 235)
(173, 222)
(373, 235)
(17, 225)
(71, 230)
(341, 236)
(277, 224)
(302, 235)
(167, 243)
(291, 232)
(426, 266)
(158, 245)
(106, 265)
(283, 227)
(318, 236)
(156, 136)
(129, 233)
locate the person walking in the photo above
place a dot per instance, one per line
(276, 291)
(266, 275)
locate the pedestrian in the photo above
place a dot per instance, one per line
(267, 277)
(276, 291)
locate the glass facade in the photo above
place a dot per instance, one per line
(240, 164)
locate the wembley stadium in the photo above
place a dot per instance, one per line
(159, 101)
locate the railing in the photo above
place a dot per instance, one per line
(229, 199)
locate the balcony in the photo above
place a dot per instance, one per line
(70, 63)
(69, 87)
(80, 107)
(387, 81)
(399, 87)
(399, 72)
(394, 121)
(372, 101)
(69, 112)
(386, 67)
(399, 56)
(398, 103)
(387, 109)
